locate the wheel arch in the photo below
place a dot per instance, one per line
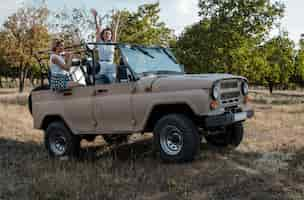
(52, 118)
(30, 100)
(160, 110)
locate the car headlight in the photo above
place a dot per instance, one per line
(216, 92)
(245, 88)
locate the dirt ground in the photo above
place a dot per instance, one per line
(269, 164)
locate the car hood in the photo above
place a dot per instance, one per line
(182, 82)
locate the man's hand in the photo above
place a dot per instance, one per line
(94, 12)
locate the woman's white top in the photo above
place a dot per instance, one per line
(106, 53)
(56, 69)
(106, 60)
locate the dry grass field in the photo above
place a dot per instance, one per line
(269, 164)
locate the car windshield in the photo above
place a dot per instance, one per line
(150, 60)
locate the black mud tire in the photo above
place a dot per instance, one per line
(115, 139)
(57, 132)
(186, 137)
(231, 138)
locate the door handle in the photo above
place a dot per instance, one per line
(102, 91)
(67, 92)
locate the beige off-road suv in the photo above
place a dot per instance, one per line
(151, 94)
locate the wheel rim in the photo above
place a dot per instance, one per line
(58, 144)
(171, 140)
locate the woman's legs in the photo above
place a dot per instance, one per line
(108, 70)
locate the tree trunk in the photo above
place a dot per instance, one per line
(270, 87)
(13, 82)
(22, 76)
(117, 24)
(21, 84)
(41, 80)
(32, 80)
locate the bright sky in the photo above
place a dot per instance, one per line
(176, 13)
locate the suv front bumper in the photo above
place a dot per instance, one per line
(227, 119)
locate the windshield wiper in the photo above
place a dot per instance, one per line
(143, 51)
(169, 55)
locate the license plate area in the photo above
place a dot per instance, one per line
(240, 116)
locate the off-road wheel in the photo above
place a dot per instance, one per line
(60, 142)
(177, 138)
(232, 137)
(115, 139)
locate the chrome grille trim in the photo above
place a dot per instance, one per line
(229, 84)
(230, 92)
(230, 95)
(230, 101)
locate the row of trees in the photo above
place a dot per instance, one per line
(31, 29)
(24, 33)
(234, 37)
(231, 37)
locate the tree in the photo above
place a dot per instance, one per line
(298, 75)
(119, 22)
(227, 36)
(3, 62)
(140, 27)
(74, 26)
(25, 33)
(279, 54)
(144, 27)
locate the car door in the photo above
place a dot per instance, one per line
(113, 107)
(78, 105)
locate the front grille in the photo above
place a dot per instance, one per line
(230, 95)
(229, 84)
(230, 101)
(230, 92)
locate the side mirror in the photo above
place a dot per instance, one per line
(122, 74)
